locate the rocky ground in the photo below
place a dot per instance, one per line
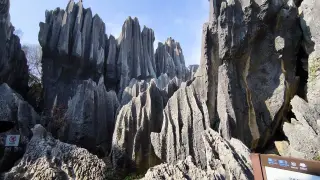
(116, 108)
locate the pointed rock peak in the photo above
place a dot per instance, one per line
(170, 40)
(70, 6)
(136, 19)
(153, 83)
(97, 17)
(145, 28)
(112, 37)
(129, 19)
(160, 44)
(88, 10)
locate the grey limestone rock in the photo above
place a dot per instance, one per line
(224, 160)
(192, 69)
(76, 52)
(170, 60)
(185, 117)
(111, 73)
(131, 145)
(303, 133)
(163, 82)
(73, 43)
(90, 116)
(13, 63)
(189, 111)
(135, 56)
(256, 59)
(48, 158)
(14, 108)
(309, 21)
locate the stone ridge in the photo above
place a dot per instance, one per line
(135, 56)
(13, 63)
(75, 32)
(131, 145)
(223, 159)
(48, 158)
(170, 60)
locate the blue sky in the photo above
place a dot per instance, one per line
(180, 19)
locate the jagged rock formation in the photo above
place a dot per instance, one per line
(224, 160)
(309, 20)
(182, 126)
(131, 147)
(189, 112)
(74, 56)
(77, 53)
(91, 115)
(111, 67)
(163, 82)
(170, 60)
(13, 63)
(303, 133)
(48, 158)
(14, 108)
(73, 44)
(256, 58)
(136, 59)
(192, 71)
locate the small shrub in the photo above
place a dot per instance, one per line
(317, 158)
(133, 177)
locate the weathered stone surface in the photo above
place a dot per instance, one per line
(48, 158)
(131, 145)
(13, 63)
(135, 58)
(309, 21)
(134, 88)
(170, 60)
(163, 82)
(14, 108)
(73, 43)
(303, 133)
(111, 74)
(187, 113)
(76, 52)
(183, 123)
(192, 69)
(90, 117)
(256, 56)
(224, 160)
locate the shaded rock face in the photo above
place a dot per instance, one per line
(73, 44)
(303, 133)
(131, 147)
(135, 56)
(184, 119)
(170, 60)
(224, 160)
(90, 116)
(163, 82)
(13, 63)
(48, 158)
(75, 52)
(189, 112)
(254, 59)
(111, 67)
(14, 108)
